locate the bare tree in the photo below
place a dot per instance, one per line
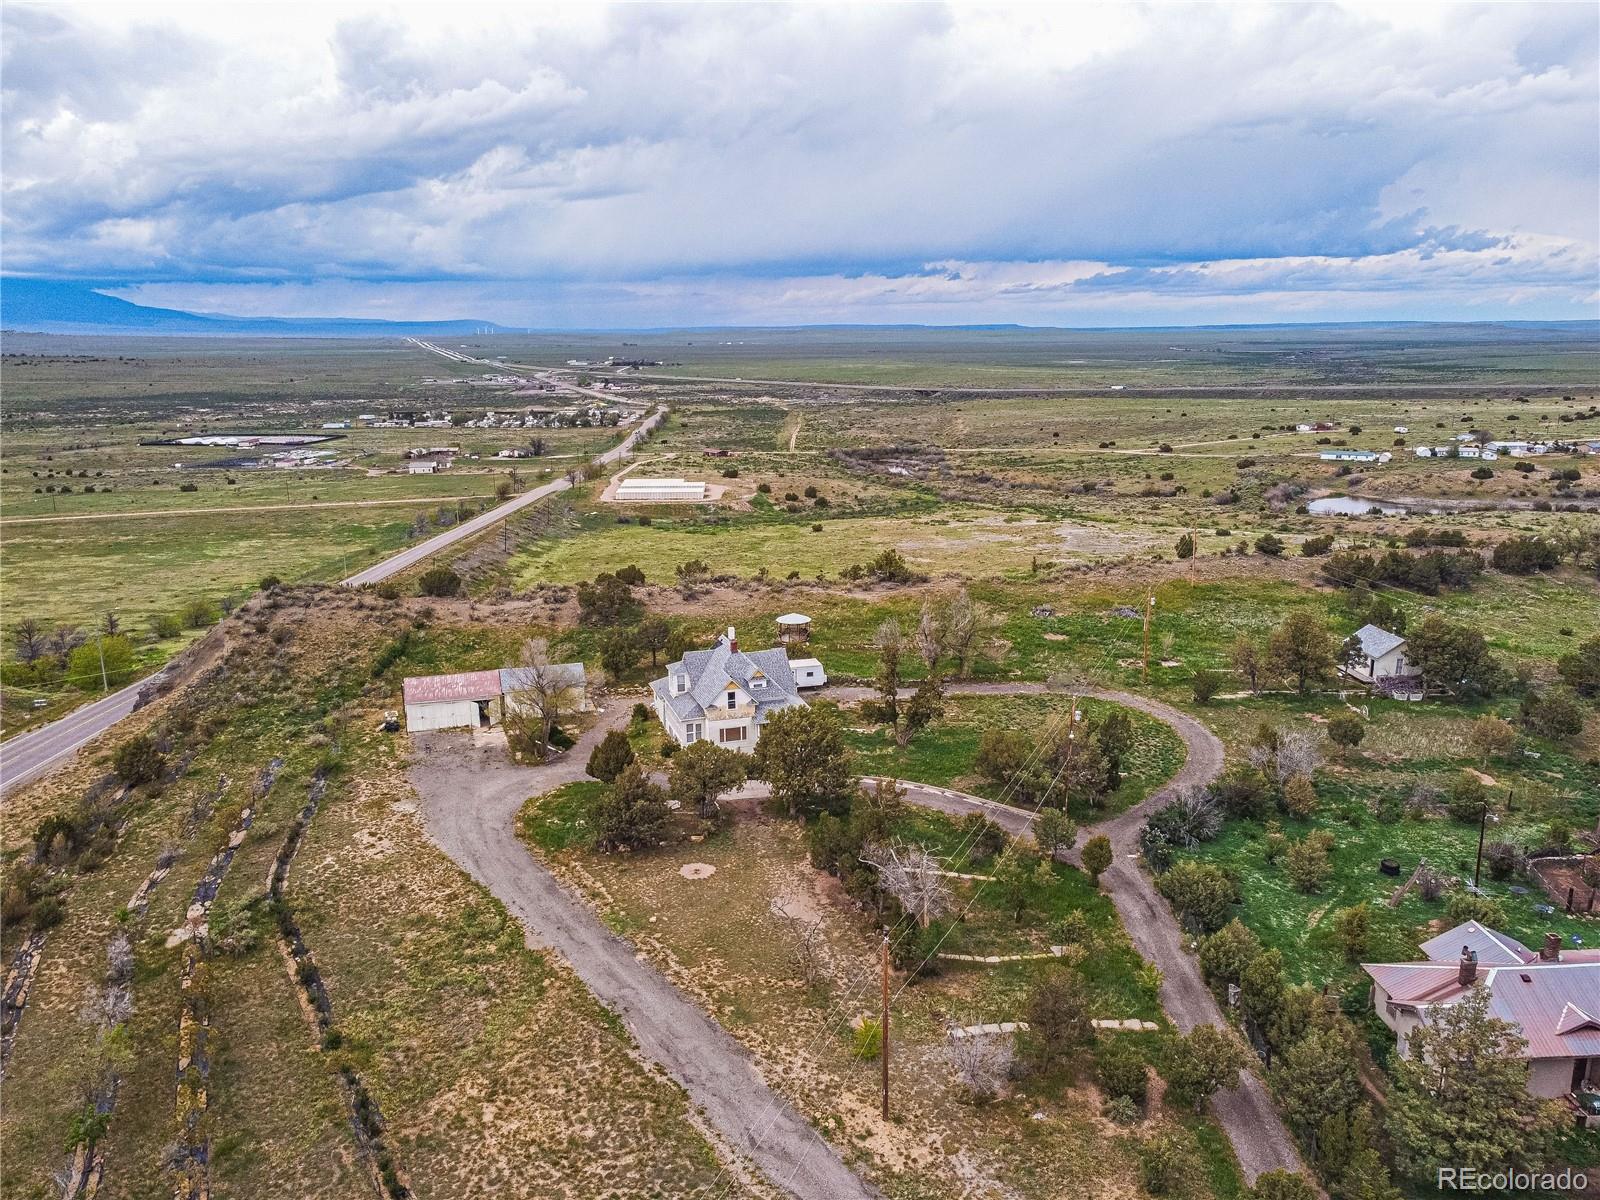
(913, 877)
(981, 1062)
(66, 639)
(806, 943)
(1298, 754)
(541, 696)
(110, 624)
(929, 636)
(29, 639)
(960, 630)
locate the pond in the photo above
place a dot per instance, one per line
(1351, 506)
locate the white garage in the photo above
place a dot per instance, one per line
(465, 701)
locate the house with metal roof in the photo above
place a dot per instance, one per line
(1373, 654)
(477, 699)
(724, 695)
(1551, 995)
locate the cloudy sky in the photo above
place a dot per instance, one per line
(648, 165)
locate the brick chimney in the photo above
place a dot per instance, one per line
(733, 642)
(1467, 972)
(1551, 950)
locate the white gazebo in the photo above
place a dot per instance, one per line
(794, 627)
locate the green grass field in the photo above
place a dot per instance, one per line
(943, 753)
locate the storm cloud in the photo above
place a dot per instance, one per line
(680, 165)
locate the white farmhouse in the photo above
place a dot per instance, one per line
(1376, 655)
(724, 695)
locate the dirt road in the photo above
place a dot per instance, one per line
(470, 801)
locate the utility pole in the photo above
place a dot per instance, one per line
(105, 684)
(1483, 823)
(883, 1027)
(1149, 607)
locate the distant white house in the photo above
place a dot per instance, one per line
(426, 466)
(670, 490)
(1365, 456)
(1376, 654)
(724, 695)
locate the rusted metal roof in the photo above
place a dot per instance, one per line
(1554, 1002)
(441, 689)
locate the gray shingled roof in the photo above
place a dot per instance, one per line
(709, 671)
(1376, 642)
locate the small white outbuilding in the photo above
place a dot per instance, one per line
(465, 701)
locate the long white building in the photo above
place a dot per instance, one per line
(635, 488)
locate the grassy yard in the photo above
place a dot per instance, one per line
(943, 753)
(730, 939)
(1425, 744)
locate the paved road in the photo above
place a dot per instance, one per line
(24, 757)
(1260, 1139)
(470, 802)
(27, 754)
(411, 557)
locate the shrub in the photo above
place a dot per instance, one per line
(868, 1041)
(1306, 861)
(198, 613)
(1201, 893)
(1315, 547)
(1346, 730)
(48, 912)
(1466, 798)
(1555, 714)
(165, 625)
(611, 756)
(1464, 907)
(1185, 546)
(1120, 1070)
(1525, 555)
(439, 581)
(1300, 797)
(1269, 544)
(1206, 685)
(137, 761)
(1352, 929)
(1163, 1163)
(268, 582)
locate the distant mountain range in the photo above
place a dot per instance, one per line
(52, 306)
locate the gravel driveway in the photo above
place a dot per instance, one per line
(470, 799)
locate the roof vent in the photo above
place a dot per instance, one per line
(1525, 978)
